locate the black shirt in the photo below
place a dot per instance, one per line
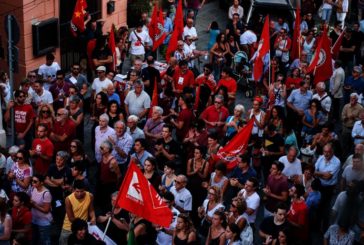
(269, 227)
(151, 74)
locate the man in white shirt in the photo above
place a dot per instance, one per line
(250, 195)
(190, 30)
(102, 133)
(165, 235)
(48, 70)
(101, 82)
(336, 88)
(325, 101)
(248, 39)
(358, 130)
(40, 95)
(137, 102)
(182, 196)
(139, 40)
(292, 165)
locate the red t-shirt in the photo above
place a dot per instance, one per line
(23, 114)
(21, 219)
(69, 128)
(186, 116)
(229, 83)
(277, 186)
(298, 214)
(293, 82)
(183, 80)
(45, 147)
(209, 81)
(212, 115)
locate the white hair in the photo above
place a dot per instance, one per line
(240, 108)
(133, 118)
(321, 85)
(14, 149)
(105, 117)
(158, 109)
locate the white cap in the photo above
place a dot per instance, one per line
(101, 68)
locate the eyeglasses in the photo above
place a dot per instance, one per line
(74, 146)
(76, 68)
(207, 70)
(19, 158)
(177, 182)
(21, 96)
(35, 181)
(32, 76)
(46, 112)
(60, 114)
(133, 75)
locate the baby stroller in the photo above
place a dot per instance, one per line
(242, 73)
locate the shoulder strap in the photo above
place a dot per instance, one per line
(139, 39)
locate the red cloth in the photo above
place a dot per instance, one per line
(138, 196)
(263, 49)
(77, 22)
(323, 69)
(156, 27)
(298, 214)
(295, 52)
(237, 145)
(277, 186)
(112, 47)
(293, 81)
(177, 31)
(209, 81)
(106, 175)
(211, 114)
(336, 46)
(154, 101)
(22, 218)
(69, 128)
(229, 83)
(23, 115)
(183, 80)
(45, 147)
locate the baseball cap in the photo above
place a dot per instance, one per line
(101, 68)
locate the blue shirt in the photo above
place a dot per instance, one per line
(168, 27)
(115, 97)
(299, 100)
(313, 199)
(332, 166)
(357, 85)
(243, 177)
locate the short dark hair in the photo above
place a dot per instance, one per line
(141, 141)
(255, 181)
(300, 190)
(18, 93)
(170, 128)
(182, 63)
(60, 72)
(280, 165)
(244, 157)
(79, 184)
(281, 205)
(50, 56)
(78, 224)
(168, 196)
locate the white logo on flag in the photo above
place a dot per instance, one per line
(134, 191)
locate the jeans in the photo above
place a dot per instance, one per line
(326, 15)
(41, 234)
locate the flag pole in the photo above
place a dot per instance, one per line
(107, 227)
(337, 39)
(269, 64)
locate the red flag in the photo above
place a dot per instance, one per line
(295, 51)
(138, 196)
(77, 22)
(321, 64)
(112, 46)
(154, 98)
(263, 49)
(336, 47)
(236, 146)
(177, 31)
(156, 28)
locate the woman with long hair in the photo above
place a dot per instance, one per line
(277, 119)
(232, 234)
(311, 119)
(21, 173)
(168, 177)
(214, 30)
(76, 115)
(151, 172)
(216, 235)
(184, 233)
(233, 122)
(5, 223)
(114, 113)
(21, 215)
(218, 54)
(41, 211)
(45, 116)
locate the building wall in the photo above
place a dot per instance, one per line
(27, 12)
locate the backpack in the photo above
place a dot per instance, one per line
(246, 236)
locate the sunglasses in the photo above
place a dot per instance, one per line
(47, 112)
(32, 76)
(35, 181)
(19, 158)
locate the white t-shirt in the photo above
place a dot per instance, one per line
(137, 47)
(252, 202)
(45, 98)
(136, 104)
(248, 37)
(190, 32)
(48, 71)
(211, 212)
(164, 238)
(291, 169)
(99, 86)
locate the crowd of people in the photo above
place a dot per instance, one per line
(299, 181)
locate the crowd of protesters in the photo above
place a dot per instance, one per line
(300, 181)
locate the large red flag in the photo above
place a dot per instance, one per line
(321, 63)
(336, 47)
(154, 98)
(237, 145)
(138, 196)
(112, 47)
(177, 31)
(295, 51)
(77, 22)
(156, 28)
(263, 49)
